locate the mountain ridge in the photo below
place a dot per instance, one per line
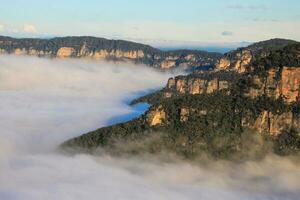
(105, 49)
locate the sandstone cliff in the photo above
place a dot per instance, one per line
(103, 49)
(275, 81)
(201, 83)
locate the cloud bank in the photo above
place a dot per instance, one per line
(44, 102)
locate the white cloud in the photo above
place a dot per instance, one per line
(29, 28)
(43, 102)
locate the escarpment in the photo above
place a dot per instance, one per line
(111, 50)
(275, 83)
(216, 112)
(202, 83)
(271, 73)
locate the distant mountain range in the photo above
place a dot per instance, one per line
(110, 50)
(248, 105)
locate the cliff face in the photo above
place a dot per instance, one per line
(237, 61)
(195, 84)
(276, 81)
(274, 124)
(278, 84)
(103, 49)
(156, 116)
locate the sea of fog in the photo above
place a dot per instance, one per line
(44, 102)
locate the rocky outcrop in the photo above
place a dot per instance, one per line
(290, 84)
(275, 83)
(275, 124)
(103, 49)
(156, 116)
(241, 59)
(239, 62)
(223, 64)
(65, 52)
(278, 83)
(195, 84)
(167, 64)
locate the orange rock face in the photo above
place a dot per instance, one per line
(197, 85)
(156, 116)
(238, 63)
(181, 85)
(223, 64)
(167, 64)
(64, 52)
(290, 78)
(274, 124)
(286, 86)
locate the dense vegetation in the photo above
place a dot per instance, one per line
(262, 49)
(219, 132)
(288, 56)
(271, 45)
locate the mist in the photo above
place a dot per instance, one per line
(44, 102)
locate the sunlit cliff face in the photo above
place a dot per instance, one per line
(44, 102)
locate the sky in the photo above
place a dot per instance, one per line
(155, 21)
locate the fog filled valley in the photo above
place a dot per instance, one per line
(44, 102)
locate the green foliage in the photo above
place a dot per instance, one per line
(288, 56)
(152, 98)
(218, 132)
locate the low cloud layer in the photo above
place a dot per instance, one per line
(44, 102)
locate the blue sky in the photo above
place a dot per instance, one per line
(210, 21)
